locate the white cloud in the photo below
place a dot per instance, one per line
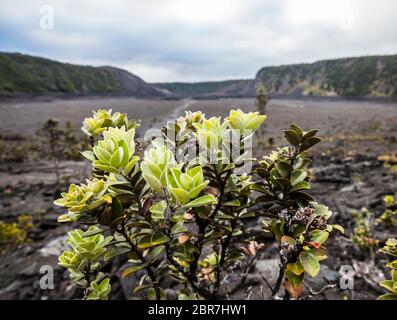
(315, 12)
(68, 40)
(205, 11)
(186, 40)
(152, 73)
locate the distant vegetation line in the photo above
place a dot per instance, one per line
(23, 74)
(210, 89)
(369, 76)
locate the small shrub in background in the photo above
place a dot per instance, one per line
(390, 285)
(389, 216)
(363, 232)
(15, 233)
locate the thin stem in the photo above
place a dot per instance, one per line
(279, 280)
(191, 277)
(222, 185)
(267, 282)
(219, 267)
(203, 224)
(148, 268)
(323, 289)
(87, 278)
(192, 280)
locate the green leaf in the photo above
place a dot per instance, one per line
(201, 202)
(292, 137)
(115, 252)
(157, 210)
(126, 156)
(296, 280)
(322, 210)
(394, 277)
(186, 181)
(298, 130)
(183, 253)
(302, 196)
(92, 232)
(151, 294)
(249, 214)
(130, 270)
(388, 296)
(223, 216)
(122, 185)
(105, 168)
(68, 218)
(153, 239)
(288, 240)
(283, 182)
(155, 252)
(298, 230)
(388, 284)
(232, 203)
(278, 229)
(303, 185)
(296, 268)
(309, 134)
(283, 168)
(259, 188)
(139, 288)
(277, 185)
(265, 198)
(180, 194)
(234, 256)
(310, 142)
(338, 227)
(309, 263)
(237, 232)
(131, 164)
(319, 253)
(104, 284)
(297, 176)
(202, 213)
(319, 236)
(117, 157)
(178, 227)
(117, 209)
(89, 155)
(102, 154)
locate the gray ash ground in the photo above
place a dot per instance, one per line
(348, 176)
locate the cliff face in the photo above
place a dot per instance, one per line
(364, 76)
(23, 74)
(132, 85)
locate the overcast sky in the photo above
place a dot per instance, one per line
(196, 40)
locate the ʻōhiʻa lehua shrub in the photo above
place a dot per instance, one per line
(179, 209)
(390, 285)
